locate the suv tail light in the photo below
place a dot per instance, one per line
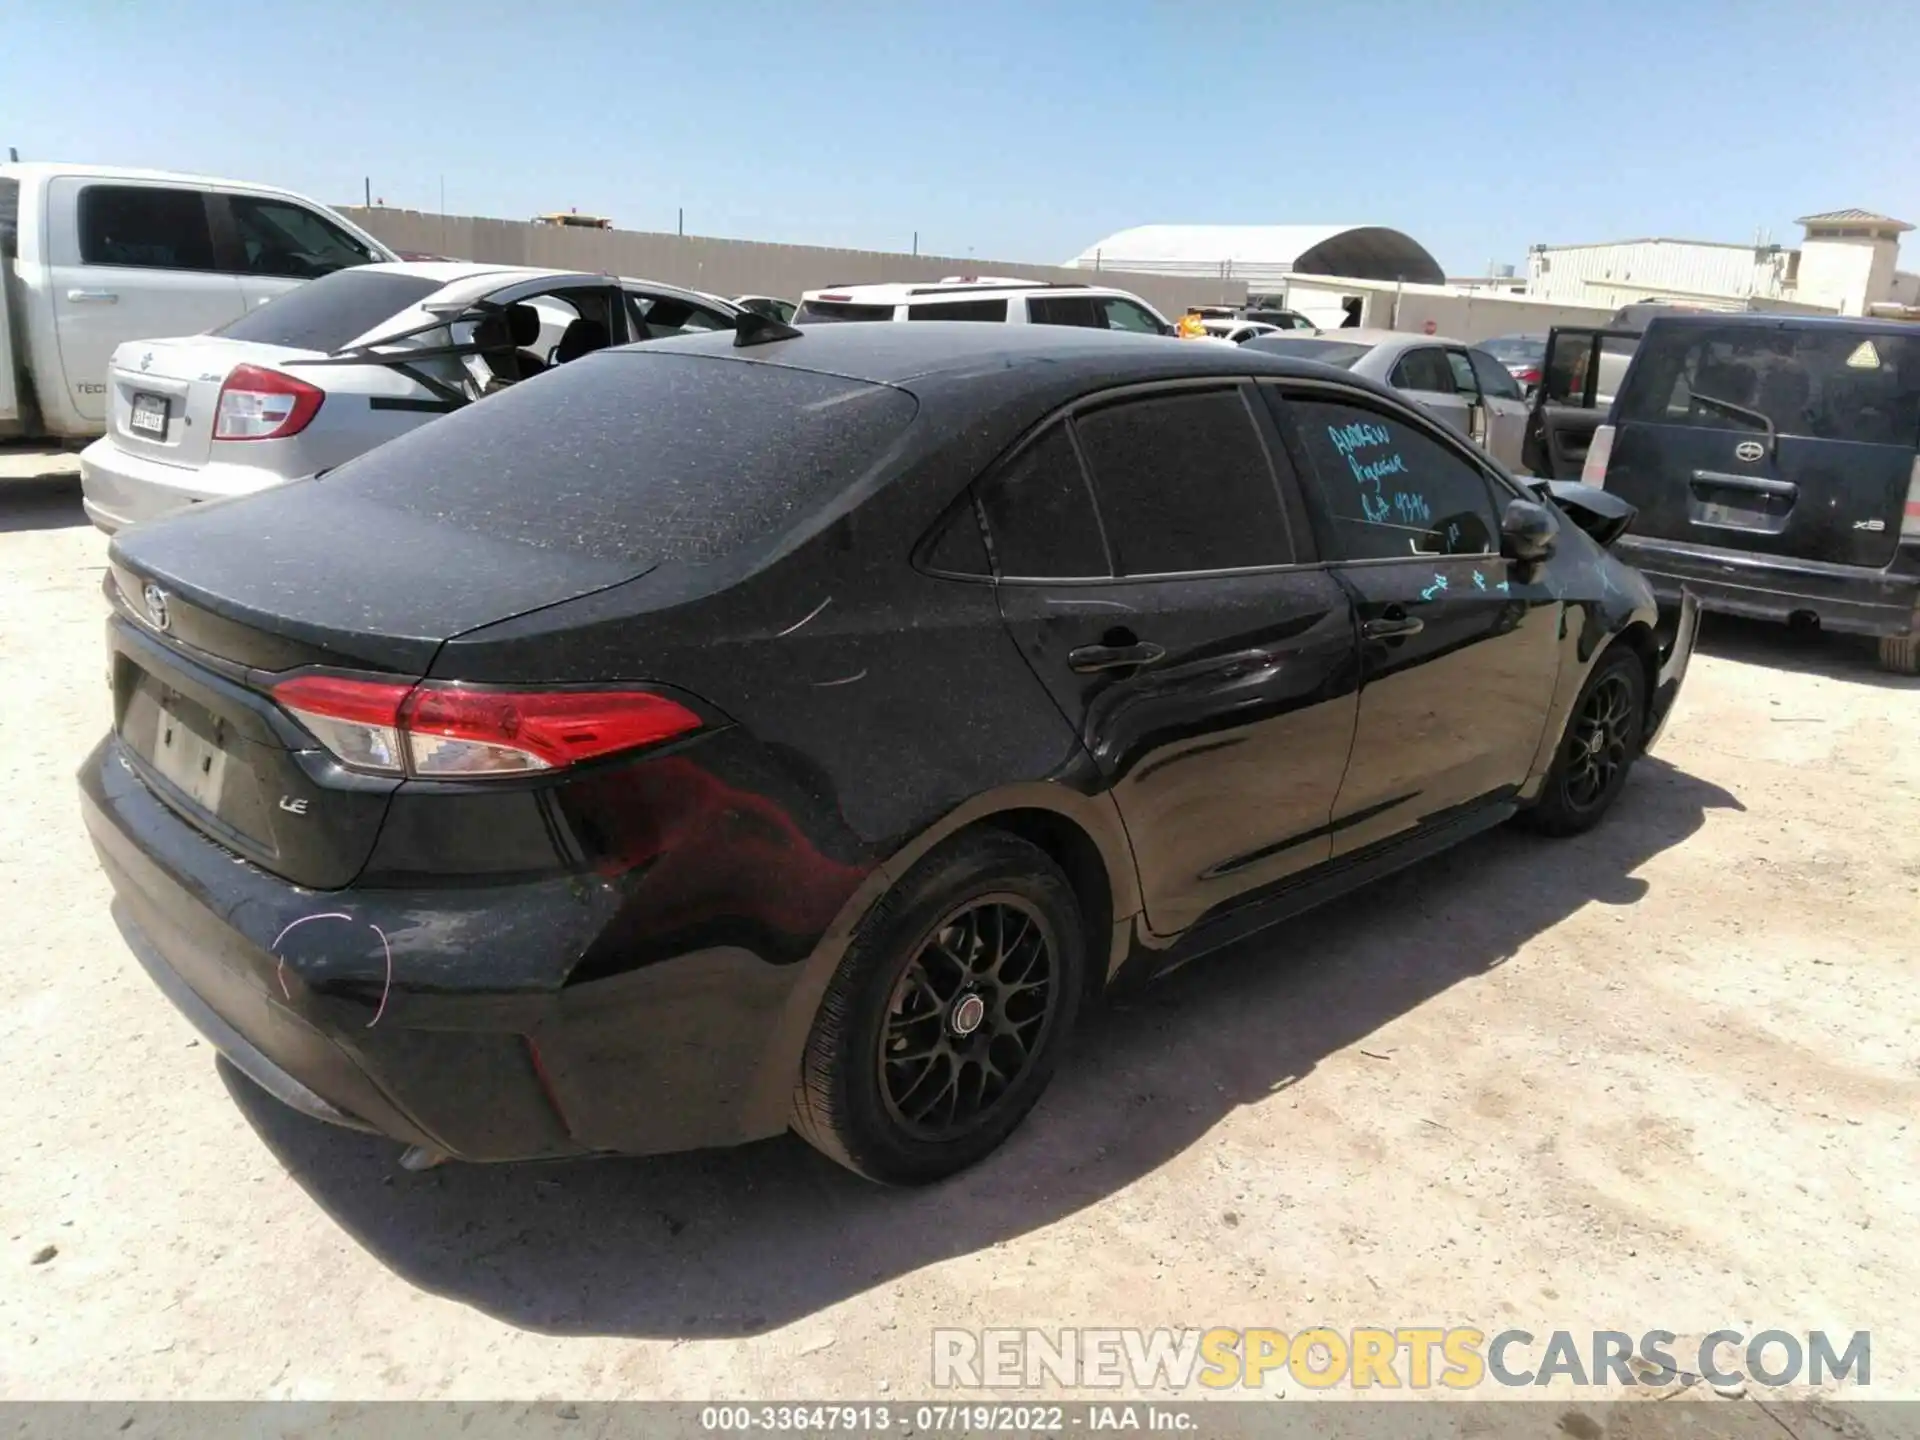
(1910, 517)
(1594, 471)
(437, 730)
(260, 404)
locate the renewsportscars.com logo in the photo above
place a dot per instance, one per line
(1414, 1357)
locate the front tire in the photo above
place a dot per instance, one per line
(945, 1019)
(1900, 654)
(1602, 740)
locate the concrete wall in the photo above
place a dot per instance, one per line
(1455, 313)
(739, 267)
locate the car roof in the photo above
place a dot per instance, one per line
(1774, 319)
(967, 351)
(904, 292)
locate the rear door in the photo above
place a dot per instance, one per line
(1427, 380)
(1781, 438)
(1458, 654)
(133, 261)
(1579, 376)
(276, 244)
(1185, 631)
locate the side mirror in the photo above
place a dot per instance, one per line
(1528, 532)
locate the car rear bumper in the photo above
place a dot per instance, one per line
(119, 489)
(1847, 598)
(1679, 629)
(443, 1017)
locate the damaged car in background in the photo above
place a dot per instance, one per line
(345, 363)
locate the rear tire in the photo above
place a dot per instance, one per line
(944, 1021)
(1900, 654)
(1602, 740)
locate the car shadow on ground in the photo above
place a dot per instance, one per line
(726, 1243)
(1804, 650)
(50, 502)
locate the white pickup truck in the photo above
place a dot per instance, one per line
(92, 256)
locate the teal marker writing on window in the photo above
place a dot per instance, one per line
(1357, 437)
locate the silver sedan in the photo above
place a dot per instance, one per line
(1459, 383)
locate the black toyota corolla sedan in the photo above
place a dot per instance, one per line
(785, 729)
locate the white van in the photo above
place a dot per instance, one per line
(989, 298)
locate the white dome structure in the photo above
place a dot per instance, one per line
(1264, 254)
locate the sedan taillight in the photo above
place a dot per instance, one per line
(261, 404)
(440, 730)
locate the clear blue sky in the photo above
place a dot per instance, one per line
(1011, 131)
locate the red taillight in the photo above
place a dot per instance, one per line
(1528, 377)
(836, 297)
(260, 404)
(434, 729)
(1910, 517)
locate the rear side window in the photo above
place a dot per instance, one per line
(1040, 515)
(994, 310)
(1423, 369)
(280, 238)
(1184, 484)
(826, 312)
(1078, 310)
(1827, 384)
(659, 317)
(1392, 491)
(146, 227)
(642, 456)
(331, 311)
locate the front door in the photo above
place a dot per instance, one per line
(1209, 673)
(1506, 409)
(140, 265)
(1458, 654)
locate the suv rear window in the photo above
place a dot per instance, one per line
(325, 314)
(640, 456)
(1827, 384)
(823, 312)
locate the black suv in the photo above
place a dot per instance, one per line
(783, 728)
(1772, 460)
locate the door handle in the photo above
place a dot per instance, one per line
(1393, 627)
(1089, 659)
(94, 297)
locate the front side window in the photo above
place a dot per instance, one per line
(290, 241)
(1126, 315)
(1423, 369)
(146, 227)
(1391, 490)
(1184, 484)
(1040, 516)
(993, 310)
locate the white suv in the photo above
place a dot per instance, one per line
(990, 298)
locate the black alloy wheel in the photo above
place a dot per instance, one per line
(967, 1016)
(1602, 742)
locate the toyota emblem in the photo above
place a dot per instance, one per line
(1749, 451)
(156, 599)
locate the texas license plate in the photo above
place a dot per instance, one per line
(148, 416)
(190, 762)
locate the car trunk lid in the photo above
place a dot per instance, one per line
(163, 395)
(1777, 439)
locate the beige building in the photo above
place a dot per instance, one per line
(1846, 265)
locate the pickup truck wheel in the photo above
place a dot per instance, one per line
(1601, 742)
(1900, 654)
(947, 1014)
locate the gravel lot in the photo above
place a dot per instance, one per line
(1664, 1076)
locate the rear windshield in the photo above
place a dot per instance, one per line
(325, 314)
(823, 312)
(1516, 349)
(1828, 384)
(1341, 353)
(643, 455)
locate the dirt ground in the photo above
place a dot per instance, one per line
(1663, 1076)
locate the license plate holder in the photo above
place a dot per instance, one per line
(148, 415)
(189, 761)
